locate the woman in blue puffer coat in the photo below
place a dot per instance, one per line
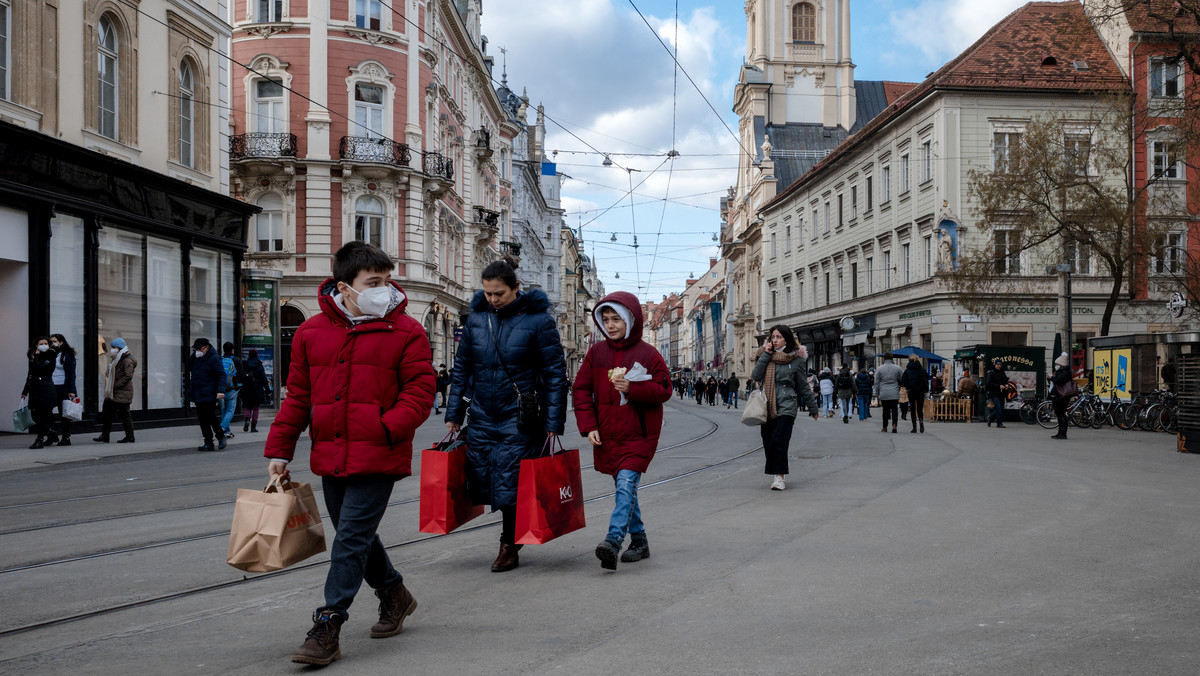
(509, 339)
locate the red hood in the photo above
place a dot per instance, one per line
(629, 302)
(329, 307)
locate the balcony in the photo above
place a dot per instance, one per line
(374, 151)
(263, 153)
(483, 144)
(440, 172)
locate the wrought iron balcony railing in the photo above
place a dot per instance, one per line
(261, 144)
(436, 164)
(367, 149)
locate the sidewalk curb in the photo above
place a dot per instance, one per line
(117, 458)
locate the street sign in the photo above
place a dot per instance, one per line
(1176, 304)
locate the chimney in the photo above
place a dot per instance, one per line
(712, 263)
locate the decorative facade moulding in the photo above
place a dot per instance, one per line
(266, 30)
(372, 37)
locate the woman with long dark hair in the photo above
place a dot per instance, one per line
(253, 391)
(780, 366)
(510, 351)
(39, 388)
(64, 384)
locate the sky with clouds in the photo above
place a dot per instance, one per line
(610, 87)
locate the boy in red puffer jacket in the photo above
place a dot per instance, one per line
(622, 418)
(361, 380)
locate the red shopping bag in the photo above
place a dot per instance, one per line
(549, 497)
(445, 502)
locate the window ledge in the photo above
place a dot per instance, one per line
(925, 185)
(269, 255)
(107, 146)
(15, 113)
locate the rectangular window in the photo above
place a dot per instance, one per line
(814, 224)
(774, 308)
(787, 299)
(270, 11)
(1166, 78)
(841, 210)
(904, 173)
(799, 233)
(1077, 151)
(1079, 257)
(367, 14)
(904, 251)
(841, 295)
(887, 269)
(1004, 145)
(67, 289)
(870, 275)
(885, 184)
(928, 256)
(870, 195)
(368, 112)
(854, 280)
(108, 93)
(164, 312)
(814, 290)
(1167, 163)
(773, 252)
(827, 292)
(5, 21)
(1168, 254)
(828, 217)
(853, 202)
(787, 239)
(927, 161)
(1007, 252)
(800, 296)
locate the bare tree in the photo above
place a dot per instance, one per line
(1062, 191)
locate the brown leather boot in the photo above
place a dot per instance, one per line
(321, 646)
(395, 604)
(507, 559)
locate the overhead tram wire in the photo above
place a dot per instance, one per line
(671, 169)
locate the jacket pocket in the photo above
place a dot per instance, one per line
(387, 435)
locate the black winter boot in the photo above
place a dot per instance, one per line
(639, 548)
(607, 552)
(254, 426)
(321, 647)
(246, 426)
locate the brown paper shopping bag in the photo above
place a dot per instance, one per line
(275, 527)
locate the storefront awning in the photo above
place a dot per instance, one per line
(804, 337)
(851, 339)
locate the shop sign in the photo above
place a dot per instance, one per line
(914, 315)
(1037, 310)
(969, 319)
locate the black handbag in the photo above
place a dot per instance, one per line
(529, 413)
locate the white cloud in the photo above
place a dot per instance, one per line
(941, 29)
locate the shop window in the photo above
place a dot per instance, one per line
(67, 291)
(121, 299)
(204, 280)
(229, 311)
(109, 77)
(164, 306)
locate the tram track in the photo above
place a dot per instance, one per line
(217, 586)
(214, 534)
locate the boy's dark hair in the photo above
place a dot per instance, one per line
(228, 347)
(608, 308)
(789, 338)
(503, 270)
(357, 256)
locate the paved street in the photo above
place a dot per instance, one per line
(966, 550)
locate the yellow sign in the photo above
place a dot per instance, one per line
(1111, 372)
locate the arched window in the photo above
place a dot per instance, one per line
(187, 114)
(804, 22)
(109, 77)
(268, 224)
(369, 216)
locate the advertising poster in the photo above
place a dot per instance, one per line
(1112, 371)
(260, 300)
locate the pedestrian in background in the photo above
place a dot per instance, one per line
(734, 386)
(845, 391)
(779, 365)
(118, 391)
(700, 390)
(723, 390)
(993, 386)
(624, 434)
(1062, 376)
(510, 350)
(206, 391)
(862, 385)
(443, 383)
(914, 383)
(887, 390)
(936, 386)
(711, 391)
(39, 390)
(967, 388)
(825, 381)
(254, 391)
(64, 383)
(235, 374)
(361, 381)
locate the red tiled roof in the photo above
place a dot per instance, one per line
(894, 90)
(1009, 56)
(1157, 16)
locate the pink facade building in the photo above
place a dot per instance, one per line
(353, 119)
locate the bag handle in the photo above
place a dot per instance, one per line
(549, 444)
(500, 357)
(278, 483)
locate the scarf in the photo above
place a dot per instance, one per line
(769, 381)
(111, 376)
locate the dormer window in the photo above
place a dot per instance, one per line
(1048, 60)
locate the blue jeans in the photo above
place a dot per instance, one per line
(864, 406)
(827, 403)
(844, 403)
(998, 411)
(627, 514)
(231, 397)
(733, 398)
(356, 505)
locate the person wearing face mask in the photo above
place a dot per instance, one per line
(39, 388)
(361, 381)
(206, 391)
(510, 342)
(118, 391)
(64, 383)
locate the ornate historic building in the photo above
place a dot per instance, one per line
(356, 120)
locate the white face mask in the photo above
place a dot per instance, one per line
(373, 301)
(199, 354)
(43, 348)
(115, 351)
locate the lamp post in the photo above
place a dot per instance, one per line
(1064, 272)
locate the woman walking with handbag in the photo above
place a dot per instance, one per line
(780, 366)
(1064, 388)
(510, 375)
(39, 389)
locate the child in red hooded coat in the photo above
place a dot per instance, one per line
(624, 436)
